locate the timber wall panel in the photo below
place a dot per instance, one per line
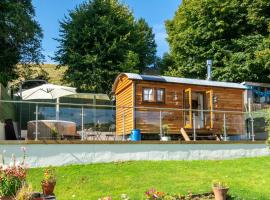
(124, 99)
(228, 99)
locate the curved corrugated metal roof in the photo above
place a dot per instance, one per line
(170, 79)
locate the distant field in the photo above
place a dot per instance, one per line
(248, 178)
(55, 75)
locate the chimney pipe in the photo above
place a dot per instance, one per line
(209, 69)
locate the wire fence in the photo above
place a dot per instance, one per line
(49, 120)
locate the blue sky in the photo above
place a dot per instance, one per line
(49, 12)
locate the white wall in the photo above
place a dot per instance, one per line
(2, 131)
(39, 155)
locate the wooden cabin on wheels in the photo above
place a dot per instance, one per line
(153, 103)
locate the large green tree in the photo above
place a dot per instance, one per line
(233, 33)
(20, 37)
(100, 39)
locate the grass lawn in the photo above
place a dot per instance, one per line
(247, 178)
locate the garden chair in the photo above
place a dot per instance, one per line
(111, 133)
(90, 134)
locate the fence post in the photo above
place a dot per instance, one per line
(123, 121)
(194, 127)
(160, 123)
(36, 132)
(82, 135)
(252, 128)
(224, 127)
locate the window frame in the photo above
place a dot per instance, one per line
(164, 95)
(155, 95)
(148, 101)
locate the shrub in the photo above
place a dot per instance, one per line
(12, 176)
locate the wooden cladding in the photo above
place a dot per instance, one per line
(124, 106)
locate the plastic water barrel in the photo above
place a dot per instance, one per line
(135, 135)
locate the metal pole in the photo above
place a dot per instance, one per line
(82, 136)
(249, 111)
(194, 127)
(95, 111)
(224, 127)
(123, 119)
(57, 109)
(160, 123)
(36, 122)
(20, 117)
(252, 129)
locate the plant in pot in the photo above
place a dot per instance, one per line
(220, 190)
(25, 193)
(49, 181)
(165, 130)
(54, 132)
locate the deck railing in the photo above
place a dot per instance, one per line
(39, 120)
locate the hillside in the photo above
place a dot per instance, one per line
(49, 71)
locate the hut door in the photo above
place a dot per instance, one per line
(209, 109)
(188, 108)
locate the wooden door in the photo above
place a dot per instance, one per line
(209, 110)
(187, 108)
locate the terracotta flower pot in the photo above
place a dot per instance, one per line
(48, 187)
(220, 193)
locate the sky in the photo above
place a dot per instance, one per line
(155, 12)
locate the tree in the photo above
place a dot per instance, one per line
(20, 38)
(233, 33)
(100, 39)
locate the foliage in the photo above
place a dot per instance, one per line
(49, 175)
(100, 39)
(20, 38)
(153, 194)
(165, 129)
(25, 193)
(220, 184)
(233, 33)
(12, 176)
(54, 132)
(267, 121)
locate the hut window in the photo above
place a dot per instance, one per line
(148, 94)
(160, 95)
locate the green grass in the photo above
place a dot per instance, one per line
(247, 178)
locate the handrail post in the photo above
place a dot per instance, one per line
(224, 127)
(194, 127)
(36, 132)
(82, 135)
(124, 128)
(160, 123)
(252, 128)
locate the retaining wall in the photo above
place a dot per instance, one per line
(41, 154)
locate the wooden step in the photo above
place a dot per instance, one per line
(201, 134)
(184, 134)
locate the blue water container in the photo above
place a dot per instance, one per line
(135, 135)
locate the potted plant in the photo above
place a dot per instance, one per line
(49, 181)
(54, 132)
(12, 177)
(165, 136)
(220, 190)
(25, 193)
